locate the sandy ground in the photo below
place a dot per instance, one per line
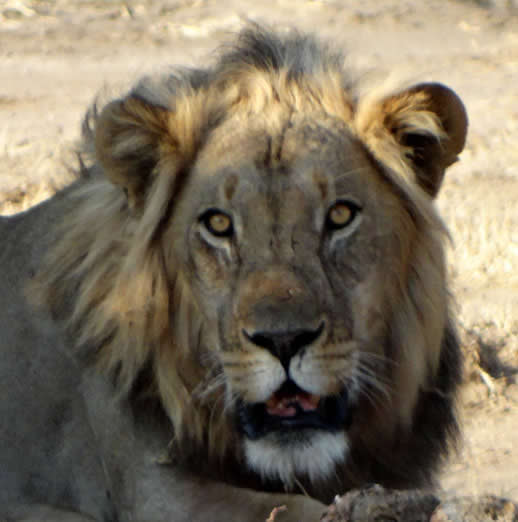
(55, 56)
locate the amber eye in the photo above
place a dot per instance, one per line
(341, 214)
(217, 223)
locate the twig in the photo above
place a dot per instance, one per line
(274, 512)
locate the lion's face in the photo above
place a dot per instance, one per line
(262, 240)
(287, 251)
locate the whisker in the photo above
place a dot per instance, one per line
(230, 401)
(210, 386)
(375, 370)
(367, 391)
(242, 375)
(301, 487)
(372, 385)
(332, 356)
(215, 378)
(215, 409)
(377, 358)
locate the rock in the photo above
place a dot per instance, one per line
(476, 509)
(377, 504)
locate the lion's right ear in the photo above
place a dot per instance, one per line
(128, 135)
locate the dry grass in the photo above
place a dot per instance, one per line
(482, 215)
(31, 172)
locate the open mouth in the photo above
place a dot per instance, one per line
(292, 409)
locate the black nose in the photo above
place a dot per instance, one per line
(284, 345)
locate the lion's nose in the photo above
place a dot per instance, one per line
(285, 344)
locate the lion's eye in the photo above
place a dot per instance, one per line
(341, 214)
(217, 223)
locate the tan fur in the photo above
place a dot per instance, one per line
(115, 278)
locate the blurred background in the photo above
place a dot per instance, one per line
(56, 56)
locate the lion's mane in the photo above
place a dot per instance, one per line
(111, 277)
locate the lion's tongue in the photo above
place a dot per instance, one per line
(286, 406)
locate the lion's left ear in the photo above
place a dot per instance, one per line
(428, 123)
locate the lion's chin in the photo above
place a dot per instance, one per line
(295, 434)
(314, 454)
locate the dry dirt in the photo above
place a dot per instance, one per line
(55, 56)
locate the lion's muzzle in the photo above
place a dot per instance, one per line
(290, 408)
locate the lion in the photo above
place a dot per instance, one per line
(241, 302)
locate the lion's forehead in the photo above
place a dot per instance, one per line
(301, 156)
